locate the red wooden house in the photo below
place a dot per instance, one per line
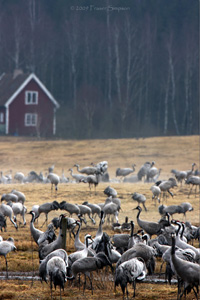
(26, 106)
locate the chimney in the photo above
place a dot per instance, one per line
(17, 72)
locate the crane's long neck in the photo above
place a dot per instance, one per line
(182, 231)
(173, 246)
(86, 242)
(33, 218)
(138, 214)
(99, 231)
(77, 166)
(132, 228)
(78, 231)
(179, 227)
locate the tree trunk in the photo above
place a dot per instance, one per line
(109, 58)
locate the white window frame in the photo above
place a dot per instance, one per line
(30, 120)
(1, 117)
(31, 98)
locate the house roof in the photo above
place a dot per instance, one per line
(11, 86)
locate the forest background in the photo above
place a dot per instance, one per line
(117, 68)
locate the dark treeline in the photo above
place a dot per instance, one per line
(117, 68)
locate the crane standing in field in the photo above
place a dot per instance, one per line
(122, 172)
(56, 269)
(187, 271)
(90, 170)
(46, 208)
(54, 179)
(5, 248)
(128, 272)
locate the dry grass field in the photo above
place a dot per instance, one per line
(25, 155)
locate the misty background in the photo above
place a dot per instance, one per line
(117, 68)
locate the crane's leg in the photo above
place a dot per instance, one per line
(56, 189)
(161, 268)
(171, 193)
(91, 284)
(51, 288)
(134, 287)
(190, 191)
(196, 292)
(60, 293)
(46, 220)
(84, 285)
(126, 291)
(93, 221)
(6, 268)
(144, 207)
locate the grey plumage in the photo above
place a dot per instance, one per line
(140, 198)
(80, 253)
(7, 211)
(152, 228)
(95, 208)
(45, 249)
(56, 269)
(89, 264)
(142, 250)
(5, 248)
(186, 206)
(153, 173)
(193, 181)
(21, 196)
(77, 177)
(128, 272)
(90, 170)
(54, 179)
(109, 191)
(35, 233)
(86, 210)
(125, 171)
(77, 242)
(181, 176)
(126, 226)
(156, 191)
(9, 197)
(187, 271)
(167, 185)
(2, 222)
(39, 236)
(92, 180)
(43, 263)
(19, 176)
(120, 241)
(46, 208)
(143, 170)
(110, 209)
(171, 209)
(18, 209)
(70, 208)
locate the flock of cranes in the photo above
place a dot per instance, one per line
(132, 254)
(94, 174)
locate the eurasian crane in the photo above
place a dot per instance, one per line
(122, 172)
(5, 248)
(152, 228)
(128, 272)
(54, 179)
(140, 198)
(89, 264)
(56, 269)
(187, 271)
(46, 208)
(90, 170)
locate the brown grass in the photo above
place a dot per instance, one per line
(25, 155)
